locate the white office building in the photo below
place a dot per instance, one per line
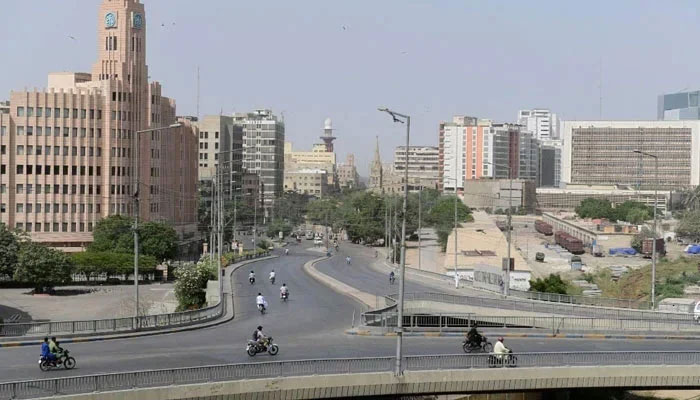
(543, 123)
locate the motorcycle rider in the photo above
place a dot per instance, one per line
(474, 338)
(55, 349)
(347, 260)
(46, 351)
(286, 252)
(259, 337)
(500, 349)
(251, 276)
(284, 290)
(392, 276)
(272, 275)
(260, 301)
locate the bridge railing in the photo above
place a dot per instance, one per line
(116, 325)
(543, 307)
(235, 372)
(555, 324)
(582, 300)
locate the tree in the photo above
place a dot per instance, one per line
(158, 239)
(595, 208)
(632, 210)
(191, 282)
(91, 263)
(115, 234)
(41, 266)
(9, 246)
(442, 217)
(689, 225)
(551, 284)
(278, 225)
(637, 216)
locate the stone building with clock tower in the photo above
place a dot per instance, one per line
(68, 152)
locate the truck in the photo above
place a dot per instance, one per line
(570, 243)
(647, 247)
(543, 228)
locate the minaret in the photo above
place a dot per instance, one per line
(328, 137)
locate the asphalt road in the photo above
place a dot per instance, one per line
(310, 325)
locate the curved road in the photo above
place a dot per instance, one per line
(309, 325)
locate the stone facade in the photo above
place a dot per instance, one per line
(69, 152)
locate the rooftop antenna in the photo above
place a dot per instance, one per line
(198, 93)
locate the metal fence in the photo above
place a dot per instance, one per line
(544, 307)
(280, 369)
(146, 322)
(554, 324)
(582, 300)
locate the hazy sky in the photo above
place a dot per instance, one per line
(428, 59)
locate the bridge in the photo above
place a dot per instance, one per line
(310, 325)
(373, 377)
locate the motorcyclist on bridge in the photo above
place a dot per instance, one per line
(474, 337)
(283, 290)
(392, 277)
(260, 338)
(500, 349)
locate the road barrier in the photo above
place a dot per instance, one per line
(554, 324)
(281, 369)
(116, 325)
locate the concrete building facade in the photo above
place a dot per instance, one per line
(347, 173)
(313, 182)
(318, 158)
(541, 122)
(602, 153)
(550, 163)
(217, 133)
(422, 165)
(69, 151)
(263, 150)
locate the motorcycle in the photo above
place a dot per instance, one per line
(284, 296)
(485, 346)
(62, 359)
(392, 279)
(272, 280)
(251, 280)
(254, 347)
(261, 308)
(503, 360)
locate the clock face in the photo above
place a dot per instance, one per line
(138, 21)
(110, 20)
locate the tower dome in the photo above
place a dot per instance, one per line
(328, 124)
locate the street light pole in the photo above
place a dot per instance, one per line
(419, 226)
(136, 210)
(509, 227)
(653, 245)
(402, 272)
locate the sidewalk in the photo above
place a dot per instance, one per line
(229, 312)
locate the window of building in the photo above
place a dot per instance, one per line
(39, 131)
(83, 113)
(83, 132)
(20, 150)
(75, 132)
(47, 112)
(30, 150)
(20, 189)
(30, 111)
(30, 131)
(20, 208)
(48, 131)
(20, 131)
(55, 226)
(66, 113)
(20, 169)
(64, 227)
(29, 169)
(57, 112)
(20, 111)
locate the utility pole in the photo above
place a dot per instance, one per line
(255, 218)
(509, 227)
(456, 198)
(220, 239)
(653, 246)
(419, 225)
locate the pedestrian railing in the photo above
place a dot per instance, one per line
(281, 369)
(117, 325)
(582, 300)
(553, 324)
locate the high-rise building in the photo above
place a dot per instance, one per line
(602, 153)
(484, 149)
(69, 152)
(550, 163)
(313, 182)
(543, 123)
(263, 150)
(347, 173)
(376, 171)
(678, 106)
(422, 166)
(317, 158)
(219, 137)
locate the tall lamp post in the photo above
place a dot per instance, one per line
(401, 118)
(455, 228)
(509, 225)
(136, 211)
(653, 246)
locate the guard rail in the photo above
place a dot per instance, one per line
(280, 369)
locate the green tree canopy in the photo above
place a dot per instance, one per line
(594, 208)
(41, 266)
(442, 217)
(91, 263)
(550, 284)
(689, 225)
(278, 225)
(9, 247)
(115, 234)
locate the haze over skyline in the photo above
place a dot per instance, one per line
(311, 61)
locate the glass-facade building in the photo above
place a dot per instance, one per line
(679, 106)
